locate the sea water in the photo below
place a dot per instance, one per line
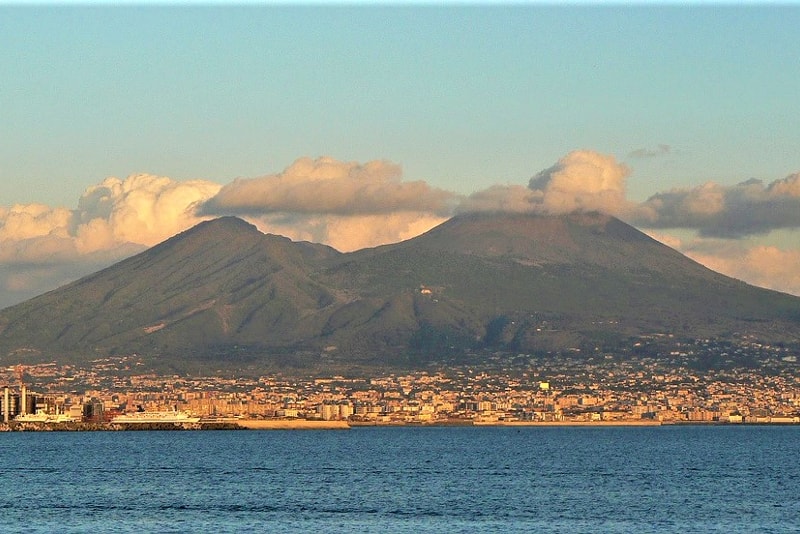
(407, 479)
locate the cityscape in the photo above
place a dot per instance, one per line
(668, 382)
(393, 267)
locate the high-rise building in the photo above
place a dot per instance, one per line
(6, 402)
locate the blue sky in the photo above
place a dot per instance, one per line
(462, 97)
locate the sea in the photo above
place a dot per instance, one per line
(404, 480)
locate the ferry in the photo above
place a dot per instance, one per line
(41, 417)
(155, 417)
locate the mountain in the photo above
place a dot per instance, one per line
(224, 293)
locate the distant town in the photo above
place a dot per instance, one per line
(666, 382)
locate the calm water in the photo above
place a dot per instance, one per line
(667, 479)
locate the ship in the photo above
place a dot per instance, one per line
(155, 417)
(40, 417)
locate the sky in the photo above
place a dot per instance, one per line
(357, 125)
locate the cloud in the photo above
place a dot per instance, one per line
(670, 240)
(501, 199)
(648, 153)
(761, 265)
(715, 210)
(28, 276)
(583, 180)
(352, 206)
(141, 209)
(346, 205)
(42, 247)
(30, 221)
(757, 264)
(348, 233)
(327, 186)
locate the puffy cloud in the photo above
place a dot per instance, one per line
(327, 186)
(345, 205)
(30, 221)
(583, 180)
(352, 206)
(726, 211)
(141, 209)
(114, 219)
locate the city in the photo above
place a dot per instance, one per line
(668, 382)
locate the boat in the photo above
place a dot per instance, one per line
(41, 417)
(155, 417)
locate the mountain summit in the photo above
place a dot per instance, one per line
(223, 292)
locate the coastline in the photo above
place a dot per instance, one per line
(290, 424)
(312, 424)
(569, 423)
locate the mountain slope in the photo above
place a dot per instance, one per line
(587, 274)
(225, 292)
(214, 284)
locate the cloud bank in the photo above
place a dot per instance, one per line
(352, 205)
(327, 186)
(346, 205)
(761, 265)
(715, 210)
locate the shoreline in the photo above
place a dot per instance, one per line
(568, 423)
(312, 424)
(289, 424)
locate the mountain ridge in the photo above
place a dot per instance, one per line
(223, 291)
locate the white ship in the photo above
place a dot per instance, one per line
(155, 417)
(41, 417)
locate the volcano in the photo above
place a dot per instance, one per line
(225, 293)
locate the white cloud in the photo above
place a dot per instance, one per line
(43, 247)
(583, 180)
(761, 265)
(30, 221)
(348, 233)
(352, 206)
(345, 205)
(141, 209)
(327, 186)
(715, 210)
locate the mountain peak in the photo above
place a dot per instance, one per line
(539, 237)
(221, 227)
